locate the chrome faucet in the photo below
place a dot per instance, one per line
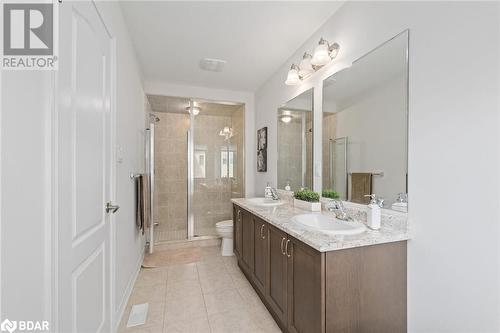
(337, 207)
(274, 194)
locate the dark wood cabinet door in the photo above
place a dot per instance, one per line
(276, 294)
(247, 240)
(306, 289)
(237, 230)
(260, 230)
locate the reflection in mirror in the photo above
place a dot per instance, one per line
(365, 127)
(295, 141)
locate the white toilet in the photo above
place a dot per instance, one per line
(225, 230)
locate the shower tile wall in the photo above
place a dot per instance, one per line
(238, 124)
(171, 177)
(290, 139)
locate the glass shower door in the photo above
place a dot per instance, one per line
(217, 136)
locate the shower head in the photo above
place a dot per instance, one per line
(153, 118)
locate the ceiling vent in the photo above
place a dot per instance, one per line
(212, 65)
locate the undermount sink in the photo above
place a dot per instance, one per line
(329, 225)
(264, 202)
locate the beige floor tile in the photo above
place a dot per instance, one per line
(175, 288)
(145, 294)
(240, 280)
(211, 295)
(184, 306)
(222, 301)
(151, 277)
(193, 325)
(233, 321)
(209, 267)
(139, 329)
(250, 297)
(183, 272)
(216, 282)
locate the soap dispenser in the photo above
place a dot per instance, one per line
(268, 191)
(287, 186)
(373, 214)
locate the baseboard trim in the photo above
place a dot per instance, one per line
(126, 296)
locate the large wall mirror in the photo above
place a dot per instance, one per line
(295, 142)
(365, 121)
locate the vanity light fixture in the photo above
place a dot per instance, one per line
(305, 66)
(293, 77)
(324, 52)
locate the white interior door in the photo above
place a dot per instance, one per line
(84, 175)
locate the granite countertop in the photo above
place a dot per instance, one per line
(394, 226)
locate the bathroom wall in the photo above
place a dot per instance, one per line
(453, 272)
(170, 208)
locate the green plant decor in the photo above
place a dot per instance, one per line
(330, 194)
(307, 195)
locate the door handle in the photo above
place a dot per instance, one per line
(282, 241)
(261, 232)
(110, 208)
(286, 249)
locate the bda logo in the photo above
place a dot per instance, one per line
(8, 325)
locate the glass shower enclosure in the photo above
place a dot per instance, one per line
(198, 167)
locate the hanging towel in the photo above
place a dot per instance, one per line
(361, 185)
(142, 207)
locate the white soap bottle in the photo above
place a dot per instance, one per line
(268, 191)
(373, 214)
(287, 186)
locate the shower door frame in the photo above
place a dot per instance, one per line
(190, 174)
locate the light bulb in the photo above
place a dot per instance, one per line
(286, 119)
(305, 67)
(321, 55)
(293, 77)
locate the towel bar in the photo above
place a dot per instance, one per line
(381, 173)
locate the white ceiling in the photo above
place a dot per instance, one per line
(255, 38)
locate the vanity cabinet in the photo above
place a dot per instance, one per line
(276, 293)
(260, 240)
(354, 290)
(237, 231)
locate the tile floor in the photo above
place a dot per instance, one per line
(210, 295)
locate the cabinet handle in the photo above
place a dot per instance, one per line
(262, 232)
(239, 215)
(286, 249)
(282, 250)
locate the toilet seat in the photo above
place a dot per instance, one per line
(227, 224)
